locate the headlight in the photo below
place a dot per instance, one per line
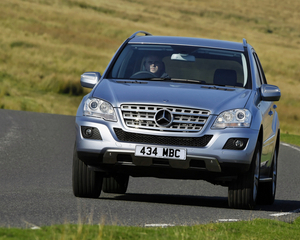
(95, 107)
(233, 118)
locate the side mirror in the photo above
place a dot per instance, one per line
(90, 79)
(270, 93)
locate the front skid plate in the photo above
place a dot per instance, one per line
(111, 157)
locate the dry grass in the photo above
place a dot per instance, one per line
(255, 229)
(46, 45)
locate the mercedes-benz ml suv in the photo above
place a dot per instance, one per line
(179, 108)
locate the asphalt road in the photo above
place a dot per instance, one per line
(35, 184)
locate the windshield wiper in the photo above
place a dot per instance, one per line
(223, 85)
(167, 78)
(187, 80)
(153, 78)
(131, 81)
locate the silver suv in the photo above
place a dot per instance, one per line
(179, 108)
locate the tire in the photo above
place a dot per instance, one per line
(86, 183)
(242, 193)
(267, 190)
(115, 184)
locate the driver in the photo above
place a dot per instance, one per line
(154, 65)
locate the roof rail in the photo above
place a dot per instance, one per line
(136, 33)
(245, 42)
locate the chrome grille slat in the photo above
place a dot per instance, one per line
(144, 119)
(188, 122)
(169, 129)
(190, 114)
(184, 120)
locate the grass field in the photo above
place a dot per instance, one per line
(46, 45)
(255, 229)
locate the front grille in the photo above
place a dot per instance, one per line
(184, 119)
(162, 140)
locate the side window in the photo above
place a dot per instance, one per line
(260, 69)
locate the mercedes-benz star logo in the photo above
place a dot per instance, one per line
(163, 118)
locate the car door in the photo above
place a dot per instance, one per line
(268, 112)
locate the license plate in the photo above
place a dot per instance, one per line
(160, 152)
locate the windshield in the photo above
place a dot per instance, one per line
(181, 63)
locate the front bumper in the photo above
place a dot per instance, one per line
(109, 153)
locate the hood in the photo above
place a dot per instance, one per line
(166, 93)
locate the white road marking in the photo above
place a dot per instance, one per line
(285, 213)
(291, 146)
(162, 225)
(228, 220)
(11, 134)
(280, 214)
(35, 228)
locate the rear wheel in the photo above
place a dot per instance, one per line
(242, 193)
(86, 183)
(267, 190)
(115, 184)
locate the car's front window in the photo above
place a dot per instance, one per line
(181, 63)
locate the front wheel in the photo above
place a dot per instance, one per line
(242, 193)
(267, 190)
(86, 183)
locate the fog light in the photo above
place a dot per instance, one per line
(238, 143)
(88, 132)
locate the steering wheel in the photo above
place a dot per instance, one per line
(143, 74)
